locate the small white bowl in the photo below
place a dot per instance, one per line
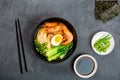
(97, 36)
(92, 72)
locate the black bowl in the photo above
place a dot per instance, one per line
(69, 26)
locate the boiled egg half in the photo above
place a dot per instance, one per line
(56, 40)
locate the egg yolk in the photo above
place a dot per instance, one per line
(58, 39)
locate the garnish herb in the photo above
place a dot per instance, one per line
(102, 44)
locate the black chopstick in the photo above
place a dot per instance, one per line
(18, 45)
(20, 41)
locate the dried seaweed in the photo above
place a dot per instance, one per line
(110, 13)
(103, 5)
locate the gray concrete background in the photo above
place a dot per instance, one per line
(80, 13)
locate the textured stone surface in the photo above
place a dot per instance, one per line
(80, 13)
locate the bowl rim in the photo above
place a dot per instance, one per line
(71, 28)
(95, 66)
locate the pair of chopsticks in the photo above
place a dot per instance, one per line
(21, 53)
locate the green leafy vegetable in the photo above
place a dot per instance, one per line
(102, 44)
(54, 56)
(58, 51)
(53, 53)
(41, 48)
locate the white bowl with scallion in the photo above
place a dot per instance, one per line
(102, 43)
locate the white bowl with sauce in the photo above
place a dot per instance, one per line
(85, 66)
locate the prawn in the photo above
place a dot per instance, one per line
(54, 29)
(51, 24)
(68, 35)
